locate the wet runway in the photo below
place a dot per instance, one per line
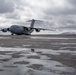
(37, 55)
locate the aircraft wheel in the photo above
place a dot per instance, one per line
(12, 34)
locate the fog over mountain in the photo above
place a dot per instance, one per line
(63, 33)
(60, 14)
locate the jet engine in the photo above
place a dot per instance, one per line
(4, 30)
(37, 30)
(27, 29)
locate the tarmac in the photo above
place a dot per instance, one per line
(38, 55)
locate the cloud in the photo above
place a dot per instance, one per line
(61, 14)
(62, 7)
(13, 15)
(57, 13)
(72, 2)
(6, 6)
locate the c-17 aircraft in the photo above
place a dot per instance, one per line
(22, 30)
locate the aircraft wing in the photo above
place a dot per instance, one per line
(44, 29)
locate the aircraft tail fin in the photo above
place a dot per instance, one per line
(32, 23)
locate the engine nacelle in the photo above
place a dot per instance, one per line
(37, 30)
(27, 29)
(4, 30)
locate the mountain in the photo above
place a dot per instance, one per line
(69, 33)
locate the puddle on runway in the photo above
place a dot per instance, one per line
(56, 52)
(63, 43)
(37, 37)
(23, 61)
(5, 37)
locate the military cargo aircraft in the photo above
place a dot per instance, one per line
(23, 30)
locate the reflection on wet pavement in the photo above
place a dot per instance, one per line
(24, 61)
(36, 37)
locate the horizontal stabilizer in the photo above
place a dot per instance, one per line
(34, 20)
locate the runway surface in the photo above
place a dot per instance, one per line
(38, 55)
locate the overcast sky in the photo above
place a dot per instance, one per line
(56, 13)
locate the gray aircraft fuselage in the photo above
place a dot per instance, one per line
(20, 30)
